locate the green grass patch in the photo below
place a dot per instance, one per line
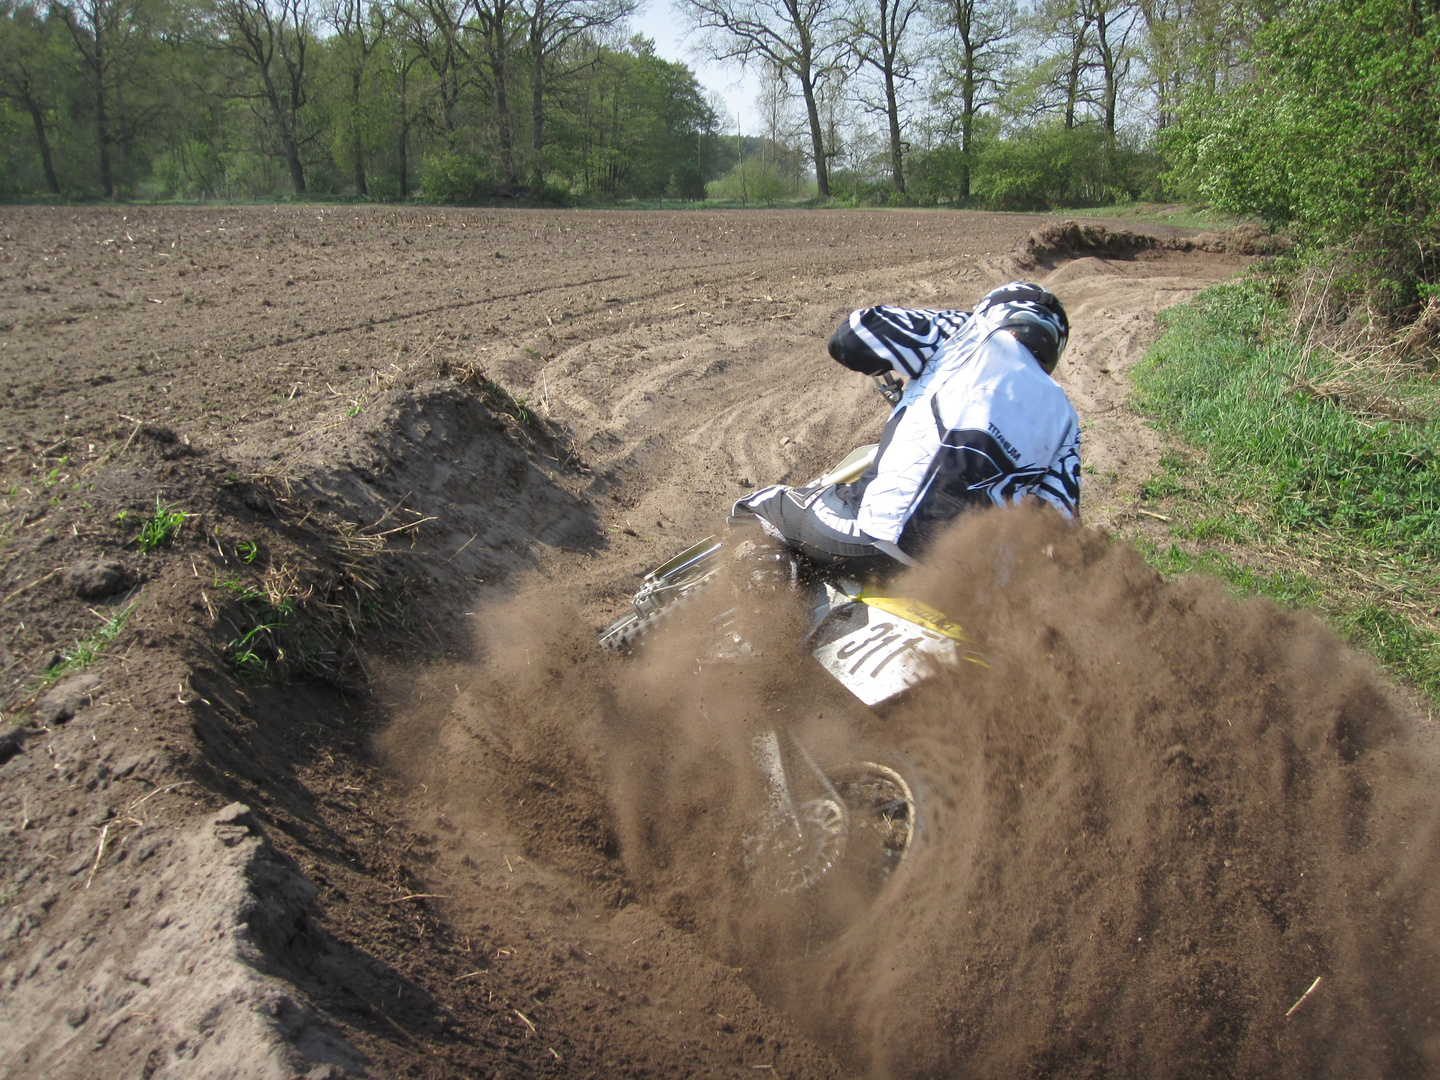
(1190, 217)
(160, 528)
(88, 648)
(1309, 478)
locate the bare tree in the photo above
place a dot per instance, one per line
(804, 38)
(880, 32)
(1087, 53)
(553, 28)
(273, 38)
(1190, 43)
(781, 128)
(1115, 22)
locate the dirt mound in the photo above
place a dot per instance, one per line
(1047, 247)
(139, 929)
(215, 907)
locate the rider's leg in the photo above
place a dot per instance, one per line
(821, 526)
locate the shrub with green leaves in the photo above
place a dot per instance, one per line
(1048, 165)
(1336, 134)
(451, 177)
(752, 180)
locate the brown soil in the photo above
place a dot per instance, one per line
(352, 793)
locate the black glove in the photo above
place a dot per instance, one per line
(848, 349)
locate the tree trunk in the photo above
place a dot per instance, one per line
(967, 123)
(297, 167)
(404, 136)
(38, 118)
(357, 146)
(288, 140)
(537, 113)
(502, 121)
(817, 137)
(102, 125)
(892, 110)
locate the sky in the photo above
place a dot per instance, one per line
(658, 21)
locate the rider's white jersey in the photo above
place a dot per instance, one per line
(980, 422)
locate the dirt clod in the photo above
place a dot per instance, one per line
(97, 579)
(67, 697)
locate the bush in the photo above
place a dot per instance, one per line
(686, 182)
(753, 181)
(1336, 135)
(1049, 166)
(450, 177)
(934, 176)
(854, 190)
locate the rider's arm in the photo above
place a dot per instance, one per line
(1060, 486)
(903, 340)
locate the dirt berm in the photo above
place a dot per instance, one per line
(329, 780)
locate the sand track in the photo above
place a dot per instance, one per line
(293, 374)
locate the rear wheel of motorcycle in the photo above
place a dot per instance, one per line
(882, 812)
(858, 834)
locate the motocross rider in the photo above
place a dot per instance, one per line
(980, 422)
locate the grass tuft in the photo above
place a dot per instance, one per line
(88, 648)
(161, 527)
(517, 408)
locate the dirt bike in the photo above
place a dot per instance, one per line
(876, 644)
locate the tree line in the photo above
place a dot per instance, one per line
(1323, 115)
(387, 98)
(1013, 105)
(997, 102)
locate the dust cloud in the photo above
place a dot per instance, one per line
(1151, 823)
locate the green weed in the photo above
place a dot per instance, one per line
(89, 647)
(54, 476)
(160, 528)
(268, 607)
(497, 397)
(248, 551)
(251, 653)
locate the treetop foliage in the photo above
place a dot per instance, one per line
(234, 99)
(1335, 134)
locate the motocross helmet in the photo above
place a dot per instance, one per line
(1033, 315)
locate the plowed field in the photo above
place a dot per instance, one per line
(328, 780)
